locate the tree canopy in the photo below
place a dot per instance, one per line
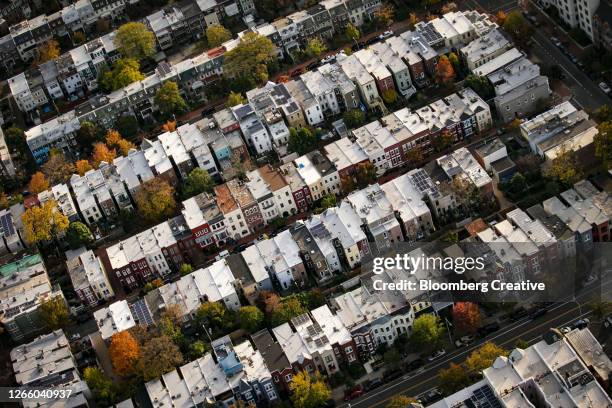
(54, 313)
(124, 353)
(115, 141)
(169, 100)
(197, 182)
(427, 332)
(309, 391)
(250, 318)
(124, 72)
(155, 199)
(565, 167)
(57, 169)
(38, 183)
(354, 118)
(287, 309)
(445, 72)
(352, 32)
(100, 385)
(453, 379)
(466, 317)
(480, 85)
(603, 144)
(78, 234)
(135, 41)
(101, 153)
(484, 356)
(400, 401)
(158, 356)
(235, 98)
(217, 35)
(43, 223)
(249, 58)
(48, 51)
(315, 48)
(516, 25)
(301, 140)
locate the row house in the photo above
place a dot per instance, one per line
(120, 194)
(249, 284)
(596, 214)
(177, 153)
(255, 133)
(219, 151)
(600, 199)
(60, 193)
(28, 92)
(575, 221)
(313, 112)
(383, 148)
(373, 319)
(159, 162)
(377, 216)
(524, 245)
(88, 276)
(205, 220)
(133, 170)
(315, 260)
(346, 92)
(297, 186)
(281, 256)
(417, 54)
(283, 195)
(319, 174)
(169, 26)
(509, 263)
(274, 358)
(338, 335)
(372, 63)
(12, 235)
(410, 209)
(348, 158)
(387, 57)
(362, 79)
(264, 196)
(483, 49)
(93, 197)
(565, 237)
(323, 239)
(295, 350)
(441, 201)
(114, 318)
(274, 99)
(7, 167)
(235, 221)
(550, 249)
(247, 203)
(461, 163)
(317, 344)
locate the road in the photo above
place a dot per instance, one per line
(585, 91)
(527, 329)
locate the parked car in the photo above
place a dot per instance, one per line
(430, 396)
(372, 384)
(565, 330)
(75, 336)
(534, 314)
(487, 329)
(386, 34)
(436, 355)
(415, 364)
(605, 88)
(581, 324)
(518, 313)
(353, 393)
(312, 65)
(556, 41)
(391, 375)
(296, 72)
(608, 322)
(465, 341)
(223, 254)
(328, 59)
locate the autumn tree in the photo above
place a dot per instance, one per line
(234, 99)
(354, 118)
(155, 199)
(453, 379)
(315, 48)
(400, 401)
(57, 169)
(43, 223)
(124, 353)
(565, 167)
(483, 357)
(287, 309)
(101, 153)
(352, 32)
(309, 391)
(78, 38)
(415, 155)
(78, 234)
(54, 313)
(100, 385)
(301, 140)
(82, 166)
(443, 140)
(389, 96)
(185, 269)
(48, 51)
(38, 183)
(169, 126)
(249, 59)
(518, 28)
(412, 20)
(603, 144)
(124, 72)
(217, 35)
(197, 182)
(466, 317)
(135, 41)
(250, 318)
(169, 324)
(169, 100)
(366, 174)
(427, 332)
(445, 72)
(455, 62)
(116, 142)
(501, 18)
(385, 15)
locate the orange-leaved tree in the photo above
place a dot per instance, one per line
(466, 317)
(445, 72)
(38, 183)
(82, 166)
(124, 353)
(102, 153)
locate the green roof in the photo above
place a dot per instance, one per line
(23, 263)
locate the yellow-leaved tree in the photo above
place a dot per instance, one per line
(309, 391)
(43, 223)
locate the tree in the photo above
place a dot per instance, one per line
(309, 391)
(197, 182)
(249, 59)
(135, 41)
(78, 37)
(444, 71)
(366, 174)
(315, 48)
(88, 134)
(185, 269)
(116, 142)
(392, 358)
(466, 317)
(124, 353)
(78, 234)
(301, 141)
(288, 308)
(217, 35)
(168, 99)
(400, 401)
(82, 167)
(522, 344)
(415, 155)
(235, 98)
(528, 164)
(480, 85)
(43, 223)
(603, 144)
(564, 167)
(128, 126)
(483, 357)
(102, 153)
(54, 313)
(412, 21)
(427, 332)
(444, 140)
(38, 183)
(197, 349)
(159, 356)
(516, 25)
(352, 32)
(429, 3)
(103, 26)
(57, 169)
(48, 51)
(100, 385)
(328, 201)
(169, 126)
(354, 118)
(454, 60)
(124, 72)
(517, 184)
(155, 199)
(16, 140)
(603, 113)
(453, 379)
(169, 324)
(215, 314)
(385, 15)
(250, 318)
(389, 96)
(501, 17)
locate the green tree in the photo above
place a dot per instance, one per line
(301, 141)
(480, 85)
(517, 184)
(483, 357)
(100, 385)
(352, 32)
(328, 201)
(185, 269)
(127, 126)
(603, 113)
(197, 182)
(389, 96)
(427, 332)
(250, 318)
(216, 315)
(159, 356)
(235, 98)
(16, 140)
(135, 41)
(565, 167)
(522, 344)
(78, 234)
(54, 313)
(249, 60)
(197, 349)
(453, 379)
(354, 118)
(88, 134)
(603, 144)
(217, 35)
(385, 15)
(168, 99)
(454, 60)
(309, 391)
(124, 72)
(287, 309)
(315, 48)
(518, 28)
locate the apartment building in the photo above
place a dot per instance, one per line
(24, 285)
(483, 49)
(47, 360)
(576, 13)
(88, 276)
